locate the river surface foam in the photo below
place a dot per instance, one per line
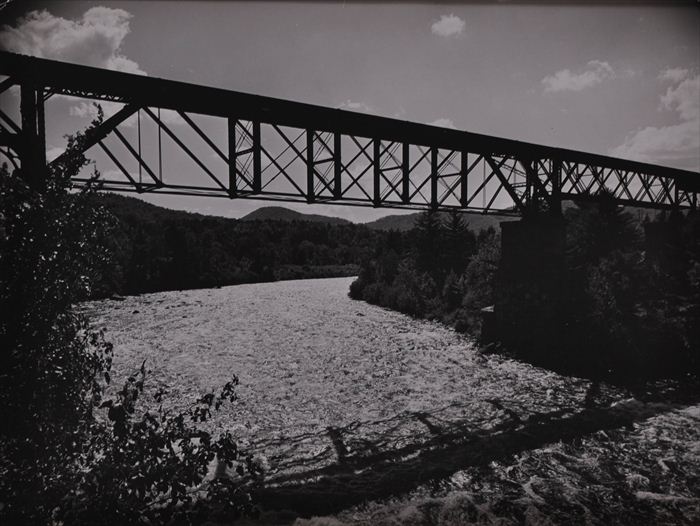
(334, 389)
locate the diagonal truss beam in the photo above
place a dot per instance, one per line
(98, 134)
(506, 184)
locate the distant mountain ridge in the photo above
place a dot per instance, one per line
(401, 222)
(279, 213)
(131, 206)
(404, 222)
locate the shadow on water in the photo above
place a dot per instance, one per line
(370, 471)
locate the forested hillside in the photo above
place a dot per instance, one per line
(280, 213)
(160, 249)
(623, 301)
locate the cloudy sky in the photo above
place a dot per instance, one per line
(618, 80)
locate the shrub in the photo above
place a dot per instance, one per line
(356, 288)
(149, 467)
(407, 301)
(372, 293)
(58, 462)
(421, 273)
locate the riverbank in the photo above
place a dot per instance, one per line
(370, 416)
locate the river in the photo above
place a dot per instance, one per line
(372, 417)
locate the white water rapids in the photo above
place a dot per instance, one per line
(326, 381)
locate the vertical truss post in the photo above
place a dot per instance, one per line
(555, 201)
(257, 165)
(433, 177)
(405, 173)
(232, 158)
(337, 167)
(377, 197)
(33, 140)
(532, 193)
(463, 174)
(310, 166)
(28, 112)
(41, 126)
(529, 197)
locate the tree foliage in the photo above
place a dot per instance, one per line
(613, 297)
(629, 301)
(158, 249)
(440, 269)
(70, 452)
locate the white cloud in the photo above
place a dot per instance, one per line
(443, 123)
(95, 40)
(684, 98)
(677, 144)
(448, 25)
(595, 72)
(673, 74)
(355, 106)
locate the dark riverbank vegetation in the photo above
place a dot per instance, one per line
(598, 292)
(157, 249)
(73, 449)
(440, 270)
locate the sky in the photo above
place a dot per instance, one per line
(614, 79)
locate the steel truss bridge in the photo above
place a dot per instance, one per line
(274, 149)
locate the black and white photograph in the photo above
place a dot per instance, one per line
(349, 263)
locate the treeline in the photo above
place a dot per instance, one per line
(596, 292)
(621, 301)
(157, 249)
(439, 270)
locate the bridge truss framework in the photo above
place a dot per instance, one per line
(289, 151)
